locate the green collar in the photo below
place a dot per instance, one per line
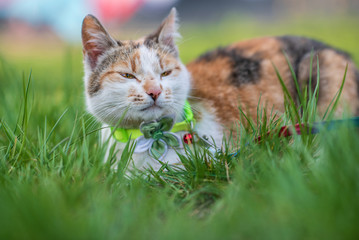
(123, 134)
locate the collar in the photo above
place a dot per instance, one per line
(124, 134)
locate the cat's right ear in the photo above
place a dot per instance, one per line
(95, 40)
(167, 33)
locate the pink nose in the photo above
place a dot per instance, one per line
(154, 93)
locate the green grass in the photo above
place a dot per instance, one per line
(54, 184)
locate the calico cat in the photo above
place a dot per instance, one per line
(141, 87)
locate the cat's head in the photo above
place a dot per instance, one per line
(137, 80)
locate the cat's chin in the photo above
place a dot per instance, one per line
(151, 108)
(151, 113)
(134, 118)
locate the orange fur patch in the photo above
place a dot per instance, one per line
(332, 67)
(210, 82)
(148, 85)
(134, 60)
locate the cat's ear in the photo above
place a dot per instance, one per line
(167, 33)
(95, 40)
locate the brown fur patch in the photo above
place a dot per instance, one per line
(210, 81)
(123, 64)
(209, 84)
(134, 60)
(332, 67)
(304, 71)
(266, 47)
(211, 74)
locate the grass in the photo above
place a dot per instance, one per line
(54, 185)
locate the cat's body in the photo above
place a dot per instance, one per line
(145, 80)
(243, 73)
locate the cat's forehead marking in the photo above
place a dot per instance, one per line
(135, 61)
(149, 60)
(121, 64)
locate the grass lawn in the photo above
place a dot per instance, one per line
(54, 184)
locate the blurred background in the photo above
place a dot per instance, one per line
(29, 28)
(43, 36)
(40, 28)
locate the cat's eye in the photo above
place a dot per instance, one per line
(127, 75)
(165, 74)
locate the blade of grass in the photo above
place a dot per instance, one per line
(299, 91)
(288, 96)
(336, 98)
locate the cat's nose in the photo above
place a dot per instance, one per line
(154, 93)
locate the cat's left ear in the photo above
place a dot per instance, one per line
(167, 33)
(95, 40)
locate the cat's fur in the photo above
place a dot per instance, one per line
(215, 84)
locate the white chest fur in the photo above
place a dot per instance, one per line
(206, 126)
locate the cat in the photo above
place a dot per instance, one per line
(137, 84)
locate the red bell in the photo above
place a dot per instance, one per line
(188, 138)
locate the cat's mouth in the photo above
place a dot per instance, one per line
(151, 107)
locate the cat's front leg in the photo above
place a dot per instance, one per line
(208, 126)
